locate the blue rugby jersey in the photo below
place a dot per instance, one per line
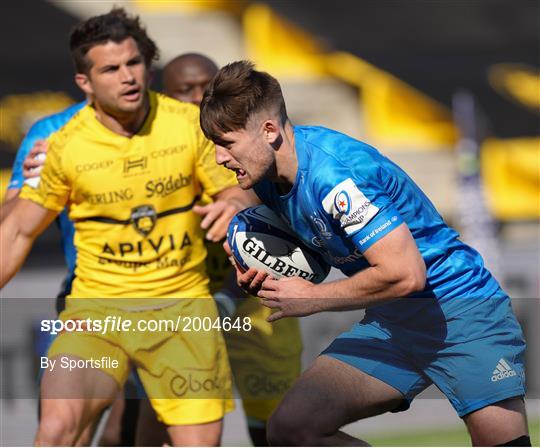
(347, 196)
(41, 130)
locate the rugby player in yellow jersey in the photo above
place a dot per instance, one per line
(266, 360)
(130, 168)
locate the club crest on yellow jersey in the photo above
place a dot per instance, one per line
(144, 219)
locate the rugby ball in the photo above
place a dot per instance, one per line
(260, 239)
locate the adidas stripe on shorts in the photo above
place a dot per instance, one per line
(475, 358)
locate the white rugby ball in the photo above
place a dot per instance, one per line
(260, 239)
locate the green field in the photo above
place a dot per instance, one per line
(443, 437)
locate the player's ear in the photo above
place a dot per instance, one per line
(83, 81)
(271, 131)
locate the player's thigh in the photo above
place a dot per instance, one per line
(186, 375)
(79, 383)
(332, 393)
(73, 390)
(82, 365)
(482, 361)
(73, 399)
(498, 423)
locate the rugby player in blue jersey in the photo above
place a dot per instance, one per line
(267, 351)
(434, 314)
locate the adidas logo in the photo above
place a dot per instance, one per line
(502, 371)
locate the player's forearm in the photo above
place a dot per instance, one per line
(242, 198)
(368, 288)
(14, 249)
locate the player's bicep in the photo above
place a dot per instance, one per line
(29, 219)
(397, 260)
(17, 233)
(397, 250)
(10, 200)
(11, 194)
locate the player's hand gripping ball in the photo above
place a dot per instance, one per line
(260, 239)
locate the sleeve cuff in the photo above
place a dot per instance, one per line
(32, 194)
(381, 225)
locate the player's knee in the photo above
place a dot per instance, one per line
(56, 430)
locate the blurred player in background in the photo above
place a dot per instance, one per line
(186, 77)
(434, 314)
(267, 360)
(105, 165)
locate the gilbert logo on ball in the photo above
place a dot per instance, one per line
(260, 239)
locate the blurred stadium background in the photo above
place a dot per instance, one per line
(450, 90)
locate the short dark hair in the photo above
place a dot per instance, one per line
(116, 26)
(236, 93)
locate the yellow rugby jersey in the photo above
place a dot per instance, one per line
(131, 200)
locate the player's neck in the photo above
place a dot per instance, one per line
(123, 124)
(286, 160)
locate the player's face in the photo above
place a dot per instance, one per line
(118, 77)
(188, 84)
(248, 154)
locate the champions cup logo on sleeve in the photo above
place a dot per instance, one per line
(342, 202)
(348, 204)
